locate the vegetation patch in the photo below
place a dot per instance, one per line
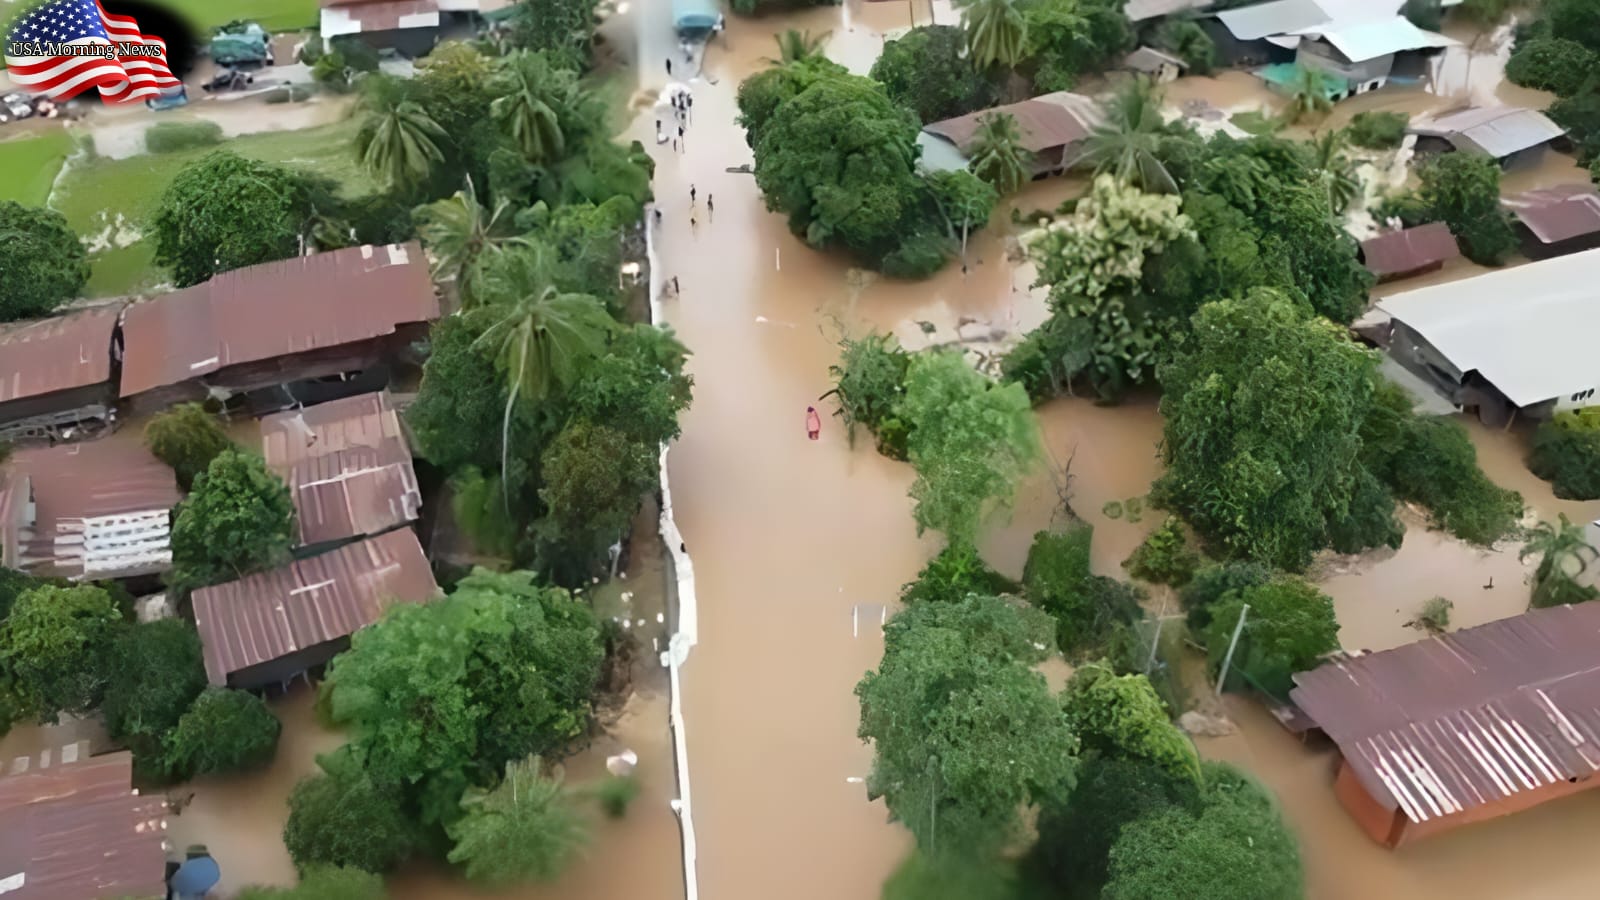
(1378, 129)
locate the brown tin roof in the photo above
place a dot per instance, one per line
(347, 466)
(1410, 249)
(102, 508)
(56, 354)
(1045, 122)
(275, 309)
(74, 827)
(1558, 213)
(309, 602)
(1466, 719)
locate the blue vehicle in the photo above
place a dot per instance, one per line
(172, 98)
(695, 18)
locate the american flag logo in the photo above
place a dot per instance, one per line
(66, 47)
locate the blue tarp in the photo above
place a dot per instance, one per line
(195, 877)
(695, 16)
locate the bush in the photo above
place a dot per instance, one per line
(323, 883)
(1463, 191)
(1290, 626)
(170, 137)
(224, 732)
(154, 672)
(343, 819)
(869, 381)
(919, 255)
(42, 262)
(1552, 64)
(1212, 583)
(1435, 616)
(292, 93)
(928, 71)
(187, 438)
(616, 793)
(1086, 607)
(1189, 42)
(1050, 356)
(1164, 557)
(1378, 130)
(954, 573)
(1568, 456)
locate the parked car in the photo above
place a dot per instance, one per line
(169, 99)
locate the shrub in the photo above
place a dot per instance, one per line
(1552, 64)
(1086, 607)
(1290, 626)
(1435, 616)
(154, 672)
(225, 731)
(1438, 468)
(869, 380)
(954, 573)
(1378, 130)
(187, 438)
(1212, 583)
(323, 883)
(1164, 557)
(919, 255)
(170, 137)
(342, 818)
(616, 793)
(1568, 456)
(1463, 191)
(1189, 42)
(1050, 356)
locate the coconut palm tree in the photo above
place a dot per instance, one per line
(1128, 140)
(399, 142)
(530, 109)
(458, 232)
(1334, 169)
(997, 153)
(1308, 97)
(996, 32)
(795, 46)
(1563, 549)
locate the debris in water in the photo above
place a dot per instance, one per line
(661, 617)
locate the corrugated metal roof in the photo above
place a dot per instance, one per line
(1498, 131)
(347, 466)
(1529, 330)
(1252, 23)
(1409, 249)
(1460, 720)
(1363, 40)
(102, 508)
(309, 602)
(74, 827)
(1139, 10)
(1558, 213)
(1150, 60)
(275, 309)
(56, 354)
(1046, 121)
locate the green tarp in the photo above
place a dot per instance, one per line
(249, 45)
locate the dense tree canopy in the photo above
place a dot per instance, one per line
(1289, 627)
(225, 731)
(187, 438)
(344, 818)
(42, 262)
(1462, 190)
(927, 71)
(1120, 716)
(53, 646)
(525, 829)
(237, 520)
(1086, 607)
(154, 671)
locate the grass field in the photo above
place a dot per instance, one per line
(91, 194)
(29, 165)
(274, 15)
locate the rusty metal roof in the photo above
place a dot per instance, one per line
(1409, 249)
(74, 827)
(347, 466)
(56, 354)
(1465, 719)
(1046, 121)
(101, 509)
(309, 602)
(275, 309)
(1558, 213)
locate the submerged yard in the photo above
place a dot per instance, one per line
(31, 164)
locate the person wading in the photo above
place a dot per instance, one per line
(813, 423)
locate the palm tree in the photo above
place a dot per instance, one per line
(1308, 97)
(1127, 142)
(795, 46)
(458, 231)
(1562, 549)
(541, 337)
(1336, 171)
(530, 108)
(996, 32)
(997, 153)
(398, 143)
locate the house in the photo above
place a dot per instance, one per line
(1510, 134)
(56, 374)
(87, 511)
(1051, 126)
(1462, 727)
(347, 466)
(1558, 220)
(1160, 66)
(1359, 55)
(298, 330)
(1245, 35)
(411, 27)
(74, 826)
(266, 628)
(1510, 341)
(1409, 251)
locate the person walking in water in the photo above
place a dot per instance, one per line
(711, 209)
(813, 423)
(669, 67)
(691, 195)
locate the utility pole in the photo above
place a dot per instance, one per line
(1233, 644)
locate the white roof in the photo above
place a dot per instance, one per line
(1496, 130)
(1361, 41)
(1528, 330)
(1251, 23)
(938, 154)
(1139, 10)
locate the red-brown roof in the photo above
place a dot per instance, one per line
(101, 508)
(1558, 213)
(1045, 122)
(275, 309)
(56, 354)
(347, 466)
(309, 602)
(1410, 249)
(1460, 720)
(74, 827)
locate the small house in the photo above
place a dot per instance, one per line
(56, 375)
(1462, 727)
(1160, 66)
(1253, 35)
(1514, 136)
(1051, 127)
(269, 627)
(1409, 251)
(1359, 56)
(300, 330)
(1558, 220)
(411, 27)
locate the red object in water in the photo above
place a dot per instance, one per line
(813, 424)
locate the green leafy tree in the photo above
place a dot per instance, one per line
(763, 93)
(997, 32)
(1214, 582)
(594, 477)
(530, 109)
(1564, 555)
(1127, 143)
(965, 732)
(187, 438)
(343, 818)
(637, 388)
(925, 877)
(868, 381)
(459, 232)
(1288, 629)
(154, 671)
(971, 442)
(997, 153)
(1070, 38)
(54, 646)
(461, 401)
(1580, 116)
(1121, 717)
(525, 829)
(1237, 845)
(1566, 453)
(1264, 406)
(1334, 170)
(1164, 556)
(1552, 64)
(42, 262)
(1576, 20)
(1378, 129)
(323, 883)
(795, 45)
(1056, 579)
(965, 201)
(1463, 191)
(927, 70)
(1189, 42)
(563, 27)
(224, 732)
(952, 574)
(237, 520)
(398, 142)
